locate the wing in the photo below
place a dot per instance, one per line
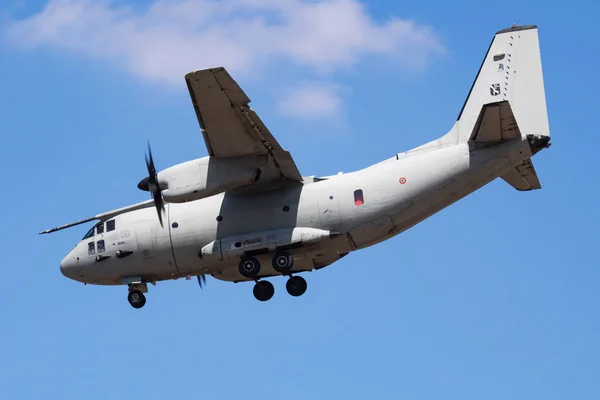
(231, 128)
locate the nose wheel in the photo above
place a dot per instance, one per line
(136, 297)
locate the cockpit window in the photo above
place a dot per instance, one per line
(110, 225)
(100, 229)
(89, 234)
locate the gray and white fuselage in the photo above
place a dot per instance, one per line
(244, 213)
(396, 194)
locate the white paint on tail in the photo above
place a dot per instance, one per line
(511, 71)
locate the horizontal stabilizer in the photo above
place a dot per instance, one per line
(496, 122)
(523, 177)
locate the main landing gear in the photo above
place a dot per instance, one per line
(282, 262)
(295, 286)
(263, 290)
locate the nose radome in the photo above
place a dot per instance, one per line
(67, 265)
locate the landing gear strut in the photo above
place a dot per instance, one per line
(136, 295)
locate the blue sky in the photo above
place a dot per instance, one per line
(495, 297)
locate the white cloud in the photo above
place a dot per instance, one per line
(168, 38)
(311, 100)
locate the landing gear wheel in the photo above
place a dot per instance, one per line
(136, 299)
(282, 262)
(296, 286)
(263, 290)
(249, 267)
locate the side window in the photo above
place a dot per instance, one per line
(100, 246)
(358, 197)
(91, 248)
(110, 225)
(100, 229)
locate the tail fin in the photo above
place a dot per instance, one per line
(511, 72)
(507, 98)
(507, 101)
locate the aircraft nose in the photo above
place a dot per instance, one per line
(67, 265)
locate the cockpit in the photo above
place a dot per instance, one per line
(99, 245)
(99, 228)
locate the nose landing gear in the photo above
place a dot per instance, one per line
(136, 295)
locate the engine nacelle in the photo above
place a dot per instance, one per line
(204, 177)
(233, 247)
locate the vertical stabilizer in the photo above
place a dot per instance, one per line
(510, 86)
(512, 71)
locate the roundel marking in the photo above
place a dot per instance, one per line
(402, 180)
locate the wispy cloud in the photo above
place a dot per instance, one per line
(312, 100)
(167, 38)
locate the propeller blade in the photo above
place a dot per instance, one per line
(151, 183)
(158, 202)
(201, 280)
(150, 162)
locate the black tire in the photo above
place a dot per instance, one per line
(296, 286)
(136, 299)
(249, 267)
(263, 290)
(282, 262)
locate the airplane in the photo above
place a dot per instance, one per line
(245, 213)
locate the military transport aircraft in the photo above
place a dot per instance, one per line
(245, 212)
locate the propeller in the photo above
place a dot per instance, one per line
(201, 280)
(150, 183)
